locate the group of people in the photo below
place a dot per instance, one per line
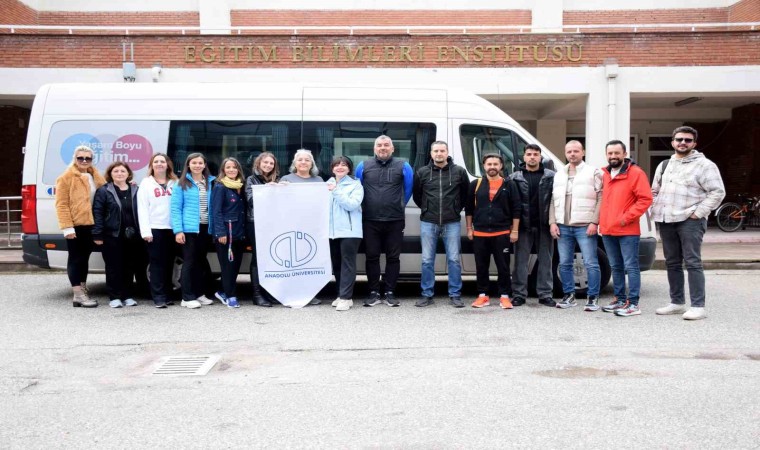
(529, 209)
(139, 225)
(536, 205)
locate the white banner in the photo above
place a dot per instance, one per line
(292, 240)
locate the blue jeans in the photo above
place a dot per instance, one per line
(451, 234)
(568, 236)
(623, 253)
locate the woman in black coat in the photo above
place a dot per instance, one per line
(116, 233)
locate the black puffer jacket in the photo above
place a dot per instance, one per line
(440, 192)
(545, 187)
(490, 216)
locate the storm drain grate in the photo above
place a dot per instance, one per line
(186, 366)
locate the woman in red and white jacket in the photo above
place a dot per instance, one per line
(154, 214)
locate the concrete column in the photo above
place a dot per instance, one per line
(552, 134)
(597, 124)
(547, 16)
(214, 15)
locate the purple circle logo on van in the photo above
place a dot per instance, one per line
(132, 149)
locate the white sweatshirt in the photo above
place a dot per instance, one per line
(154, 206)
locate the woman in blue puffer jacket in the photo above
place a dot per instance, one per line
(191, 221)
(345, 228)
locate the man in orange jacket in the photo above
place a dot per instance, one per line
(626, 195)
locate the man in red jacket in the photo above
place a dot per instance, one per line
(626, 195)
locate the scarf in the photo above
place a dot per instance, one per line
(231, 184)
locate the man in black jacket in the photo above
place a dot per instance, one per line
(535, 184)
(440, 190)
(387, 183)
(493, 212)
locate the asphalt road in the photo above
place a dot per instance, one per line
(438, 377)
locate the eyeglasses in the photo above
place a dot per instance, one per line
(84, 158)
(686, 140)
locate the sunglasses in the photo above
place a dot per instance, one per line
(686, 140)
(84, 158)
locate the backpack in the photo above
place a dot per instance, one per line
(664, 166)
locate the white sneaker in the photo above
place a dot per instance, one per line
(203, 300)
(336, 302)
(115, 303)
(130, 302)
(695, 314)
(344, 305)
(190, 304)
(671, 309)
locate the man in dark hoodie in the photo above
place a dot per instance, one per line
(535, 183)
(626, 196)
(440, 190)
(387, 183)
(493, 212)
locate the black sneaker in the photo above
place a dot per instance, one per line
(424, 301)
(457, 302)
(592, 304)
(391, 299)
(547, 301)
(518, 301)
(373, 299)
(568, 301)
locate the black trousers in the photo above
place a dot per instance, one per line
(80, 249)
(343, 255)
(124, 261)
(250, 231)
(195, 268)
(230, 269)
(161, 252)
(383, 237)
(498, 247)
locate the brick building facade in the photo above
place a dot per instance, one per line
(563, 69)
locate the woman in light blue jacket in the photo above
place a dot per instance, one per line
(345, 228)
(191, 222)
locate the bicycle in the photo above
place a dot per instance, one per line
(732, 216)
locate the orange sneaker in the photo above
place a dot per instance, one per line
(505, 302)
(481, 301)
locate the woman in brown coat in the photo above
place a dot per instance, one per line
(74, 191)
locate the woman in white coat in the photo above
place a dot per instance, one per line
(154, 214)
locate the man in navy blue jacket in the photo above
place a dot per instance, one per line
(387, 185)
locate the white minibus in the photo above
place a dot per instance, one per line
(129, 122)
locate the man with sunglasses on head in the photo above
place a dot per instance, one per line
(686, 188)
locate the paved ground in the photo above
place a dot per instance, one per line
(439, 377)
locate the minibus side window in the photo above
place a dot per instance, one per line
(356, 140)
(243, 140)
(479, 140)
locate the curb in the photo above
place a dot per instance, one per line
(19, 267)
(717, 265)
